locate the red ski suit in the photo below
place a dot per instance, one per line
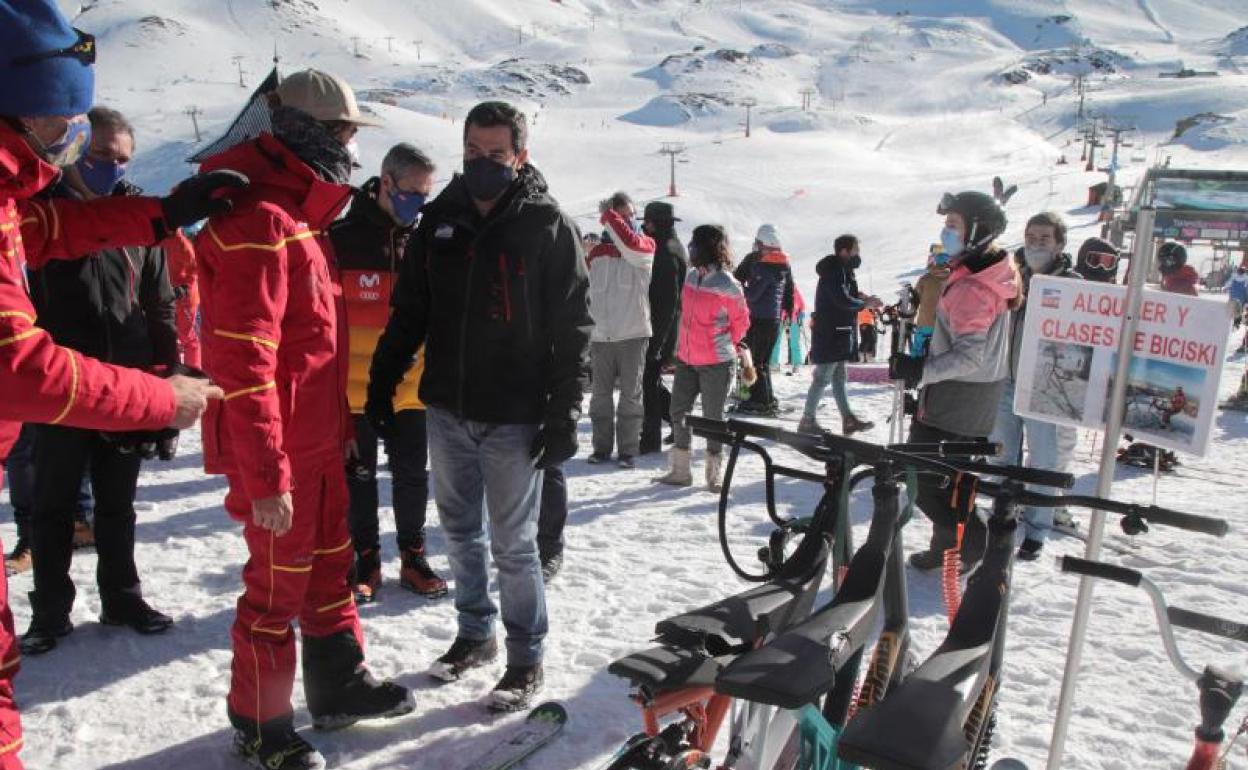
(39, 381)
(270, 340)
(180, 257)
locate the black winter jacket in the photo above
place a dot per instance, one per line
(501, 305)
(671, 263)
(115, 305)
(768, 283)
(835, 333)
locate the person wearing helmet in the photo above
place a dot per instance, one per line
(1177, 276)
(1098, 261)
(965, 371)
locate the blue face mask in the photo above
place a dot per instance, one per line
(100, 176)
(406, 206)
(951, 242)
(69, 148)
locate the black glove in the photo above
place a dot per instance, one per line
(554, 444)
(906, 368)
(379, 411)
(199, 197)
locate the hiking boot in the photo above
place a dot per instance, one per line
(678, 474)
(810, 426)
(19, 560)
(551, 565)
(416, 575)
(598, 458)
(366, 576)
(127, 608)
(43, 633)
(84, 534)
(516, 689)
(465, 654)
(851, 425)
(714, 470)
(934, 557)
(274, 745)
(627, 462)
(339, 689)
(1029, 550)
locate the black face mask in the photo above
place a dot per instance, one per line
(854, 262)
(487, 179)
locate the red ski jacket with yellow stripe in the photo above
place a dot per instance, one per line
(270, 307)
(40, 381)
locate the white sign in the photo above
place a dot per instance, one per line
(1070, 352)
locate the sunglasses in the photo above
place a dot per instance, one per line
(83, 50)
(1103, 259)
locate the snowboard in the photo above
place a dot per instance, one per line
(539, 728)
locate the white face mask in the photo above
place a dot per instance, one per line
(1038, 258)
(353, 150)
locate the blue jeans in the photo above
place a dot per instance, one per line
(478, 468)
(833, 374)
(1048, 446)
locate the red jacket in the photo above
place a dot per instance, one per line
(269, 321)
(42, 382)
(1182, 281)
(180, 256)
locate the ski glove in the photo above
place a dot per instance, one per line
(379, 411)
(200, 197)
(554, 444)
(906, 368)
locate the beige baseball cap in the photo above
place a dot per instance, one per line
(324, 96)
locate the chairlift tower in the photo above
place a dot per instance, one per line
(672, 149)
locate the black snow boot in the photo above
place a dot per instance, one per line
(274, 745)
(516, 689)
(339, 689)
(943, 539)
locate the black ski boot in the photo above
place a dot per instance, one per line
(274, 745)
(339, 689)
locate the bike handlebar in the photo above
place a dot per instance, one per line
(1167, 617)
(1134, 515)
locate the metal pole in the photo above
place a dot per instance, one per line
(1140, 264)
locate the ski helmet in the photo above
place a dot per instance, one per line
(1098, 260)
(984, 217)
(1171, 256)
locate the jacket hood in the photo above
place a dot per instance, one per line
(269, 163)
(773, 257)
(828, 265)
(1000, 277)
(22, 172)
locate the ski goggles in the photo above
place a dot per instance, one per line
(947, 202)
(1105, 260)
(83, 50)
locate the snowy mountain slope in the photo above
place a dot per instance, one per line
(908, 102)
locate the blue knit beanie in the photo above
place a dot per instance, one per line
(56, 85)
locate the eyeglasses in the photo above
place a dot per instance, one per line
(947, 203)
(1105, 260)
(83, 50)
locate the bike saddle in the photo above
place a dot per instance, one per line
(735, 624)
(669, 668)
(800, 664)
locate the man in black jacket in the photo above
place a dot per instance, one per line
(666, 280)
(115, 305)
(494, 284)
(834, 339)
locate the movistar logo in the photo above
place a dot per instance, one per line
(370, 281)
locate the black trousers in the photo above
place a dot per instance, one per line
(62, 455)
(554, 512)
(656, 400)
(935, 501)
(408, 452)
(761, 339)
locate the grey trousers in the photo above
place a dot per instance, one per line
(712, 382)
(624, 360)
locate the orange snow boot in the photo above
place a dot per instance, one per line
(416, 574)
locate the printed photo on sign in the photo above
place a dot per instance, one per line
(1061, 385)
(1162, 402)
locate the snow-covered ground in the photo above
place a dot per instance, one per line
(908, 100)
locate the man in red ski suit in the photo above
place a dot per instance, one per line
(46, 86)
(180, 256)
(270, 339)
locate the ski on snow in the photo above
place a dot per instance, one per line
(539, 728)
